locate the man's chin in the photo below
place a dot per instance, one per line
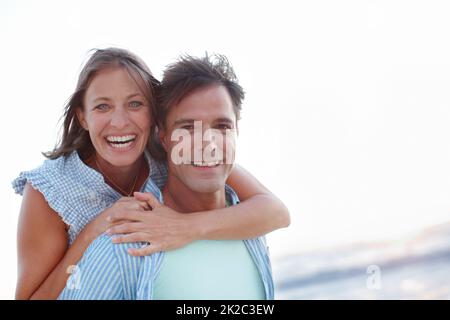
(206, 187)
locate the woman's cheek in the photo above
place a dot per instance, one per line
(144, 122)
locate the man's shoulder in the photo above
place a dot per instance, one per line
(104, 243)
(104, 246)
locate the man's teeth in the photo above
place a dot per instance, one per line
(205, 164)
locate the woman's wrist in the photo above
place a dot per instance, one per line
(196, 226)
(90, 232)
(201, 225)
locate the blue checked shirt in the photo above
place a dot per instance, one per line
(77, 192)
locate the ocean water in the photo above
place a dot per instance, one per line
(415, 267)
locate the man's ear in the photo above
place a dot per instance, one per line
(162, 137)
(80, 116)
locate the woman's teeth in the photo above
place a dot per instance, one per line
(121, 138)
(121, 141)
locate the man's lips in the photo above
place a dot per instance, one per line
(200, 164)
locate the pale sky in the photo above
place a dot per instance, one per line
(345, 118)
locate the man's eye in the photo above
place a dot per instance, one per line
(223, 126)
(188, 127)
(102, 107)
(135, 104)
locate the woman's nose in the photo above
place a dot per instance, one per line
(119, 118)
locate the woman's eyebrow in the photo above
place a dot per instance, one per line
(101, 99)
(109, 99)
(134, 95)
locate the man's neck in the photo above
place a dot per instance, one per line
(184, 200)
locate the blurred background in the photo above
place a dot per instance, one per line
(346, 119)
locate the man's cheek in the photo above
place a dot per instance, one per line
(229, 151)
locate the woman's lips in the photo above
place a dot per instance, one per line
(121, 143)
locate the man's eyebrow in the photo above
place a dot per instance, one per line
(183, 121)
(224, 119)
(190, 121)
(108, 99)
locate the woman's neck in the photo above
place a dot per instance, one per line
(124, 179)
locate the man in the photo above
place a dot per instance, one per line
(200, 102)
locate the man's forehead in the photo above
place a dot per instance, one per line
(207, 104)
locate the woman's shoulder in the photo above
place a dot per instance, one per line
(50, 173)
(70, 188)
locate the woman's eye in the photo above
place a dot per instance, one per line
(135, 104)
(188, 127)
(102, 107)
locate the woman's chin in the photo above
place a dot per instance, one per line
(122, 158)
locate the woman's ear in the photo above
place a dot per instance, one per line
(81, 118)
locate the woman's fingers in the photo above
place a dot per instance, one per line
(127, 227)
(144, 205)
(132, 237)
(144, 251)
(133, 215)
(133, 203)
(149, 198)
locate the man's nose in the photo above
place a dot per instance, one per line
(212, 140)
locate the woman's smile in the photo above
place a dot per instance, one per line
(122, 143)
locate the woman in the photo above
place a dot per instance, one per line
(103, 157)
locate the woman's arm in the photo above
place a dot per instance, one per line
(44, 257)
(42, 245)
(259, 213)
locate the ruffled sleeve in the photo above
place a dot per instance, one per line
(47, 180)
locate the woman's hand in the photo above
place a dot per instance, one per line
(163, 228)
(125, 204)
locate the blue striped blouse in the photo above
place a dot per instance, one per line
(107, 271)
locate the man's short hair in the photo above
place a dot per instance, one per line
(185, 76)
(191, 73)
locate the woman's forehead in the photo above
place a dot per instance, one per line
(116, 81)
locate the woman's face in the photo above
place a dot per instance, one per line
(117, 116)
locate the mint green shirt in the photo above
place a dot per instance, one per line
(209, 269)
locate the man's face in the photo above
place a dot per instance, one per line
(206, 121)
